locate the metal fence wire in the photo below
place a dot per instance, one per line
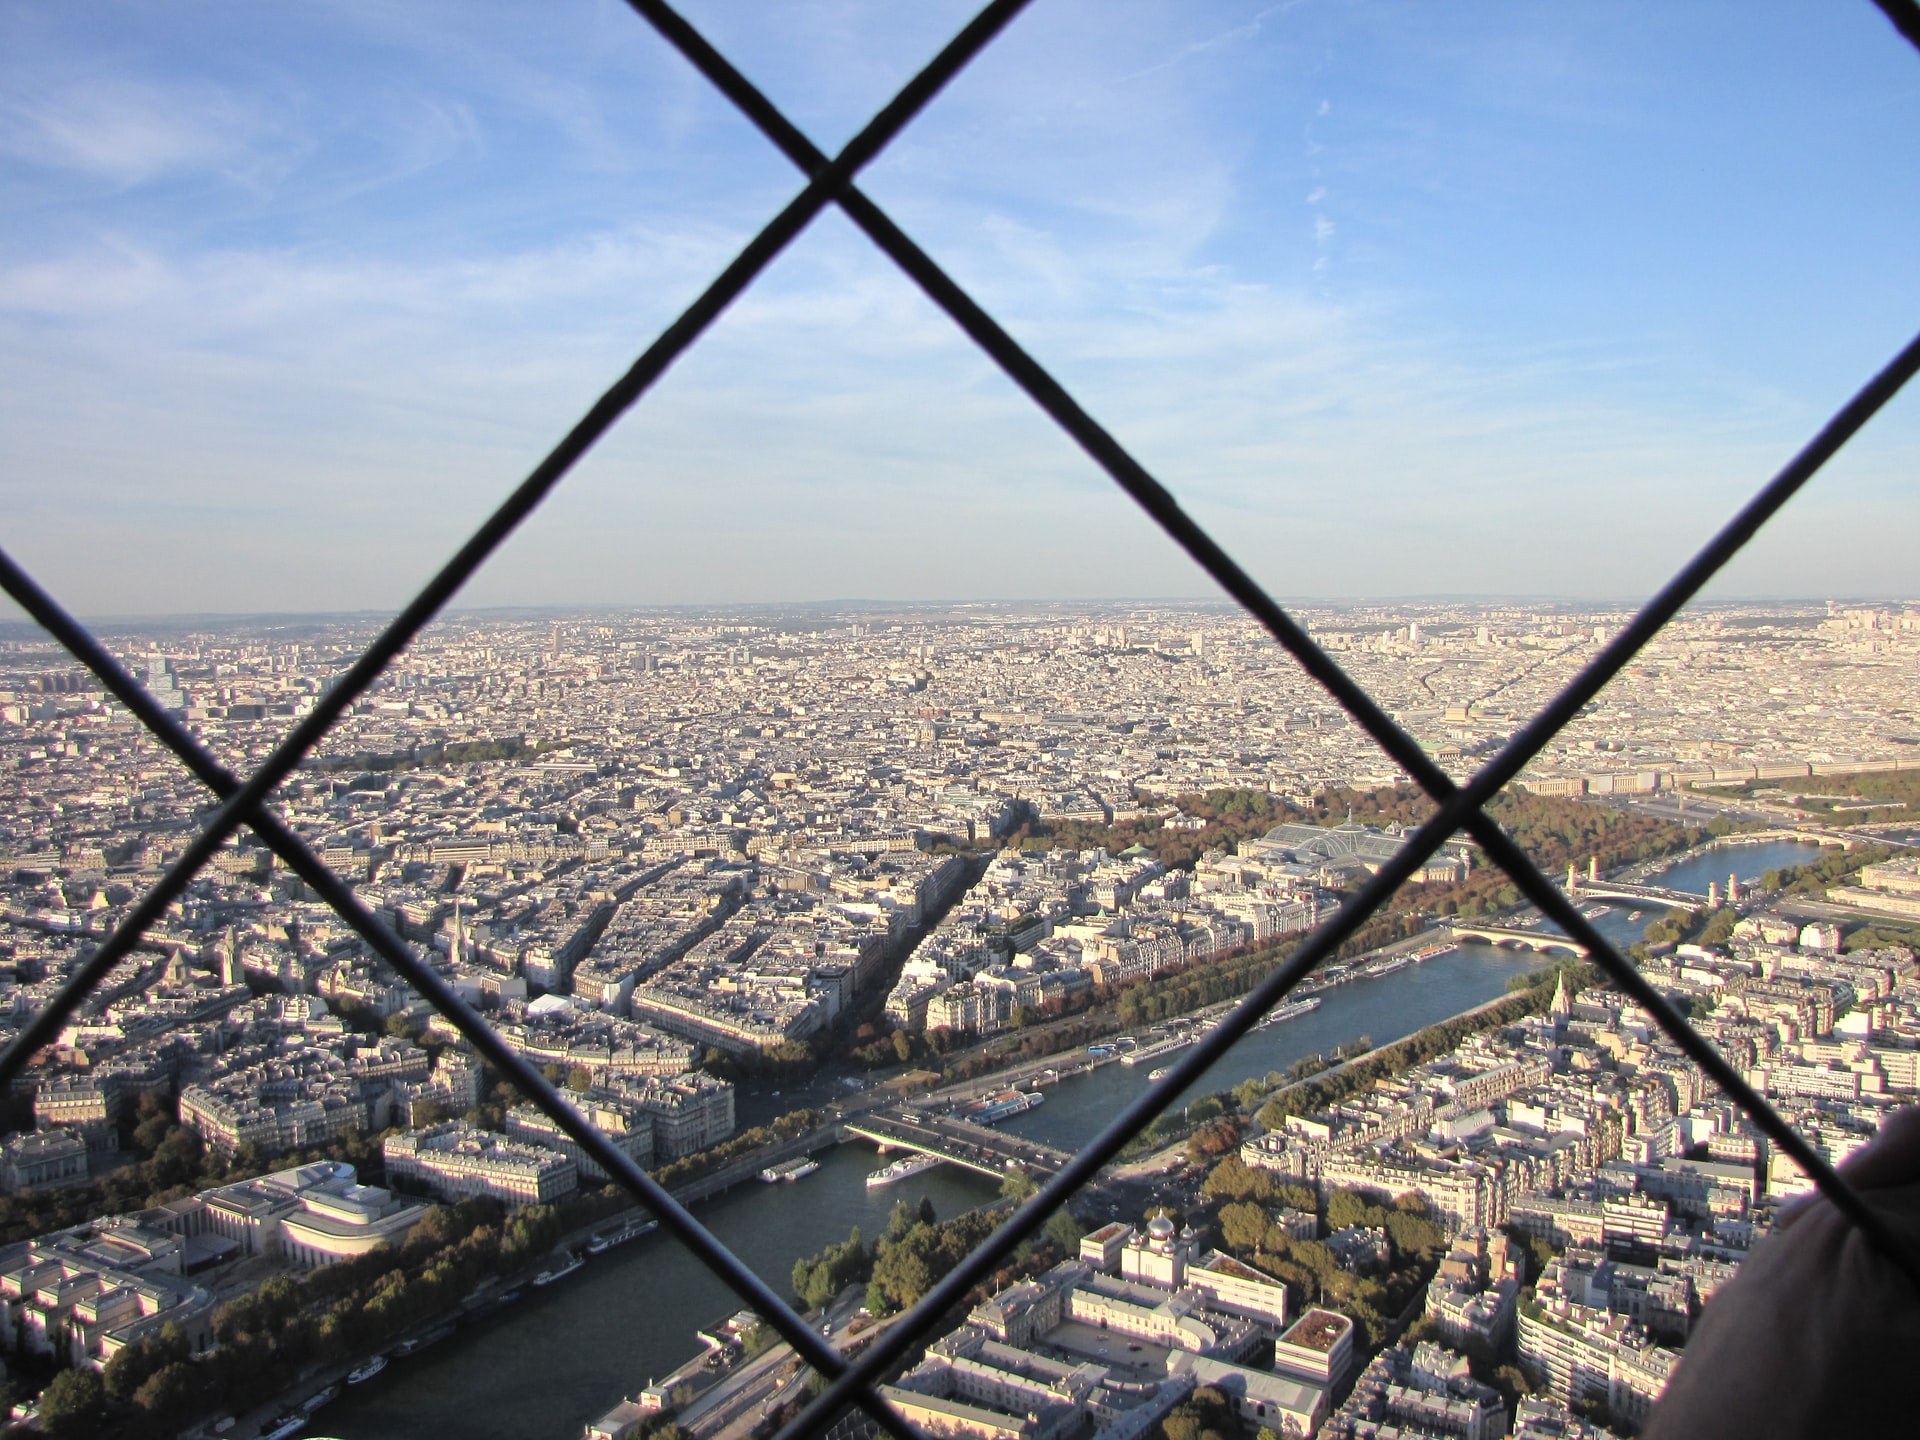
(831, 181)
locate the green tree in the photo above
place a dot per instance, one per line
(73, 1405)
(579, 1079)
(1540, 1254)
(1511, 1382)
(900, 1219)
(1414, 1234)
(1065, 1231)
(1719, 928)
(170, 1392)
(130, 1368)
(1346, 1208)
(1231, 1179)
(151, 1130)
(1243, 1226)
(1298, 1197)
(427, 1111)
(1017, 1186)
(817, 1280)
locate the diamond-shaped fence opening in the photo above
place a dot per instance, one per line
(831, 181)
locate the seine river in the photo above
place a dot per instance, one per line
(566, 1355)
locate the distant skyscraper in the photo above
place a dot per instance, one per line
(161, 684)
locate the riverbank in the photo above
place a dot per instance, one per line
(567, 1354)
(630, 1316)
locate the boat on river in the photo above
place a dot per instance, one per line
(420, 1342)
(1289, 1011)
(632, 1230)
(548, 1277)
(493, 1305)
(1169, 1046)
(904, 1168)
(995, 1108)
(797, 1169)
(366, 1372)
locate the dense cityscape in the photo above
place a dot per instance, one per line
(918, 864)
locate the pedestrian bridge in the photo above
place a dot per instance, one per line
(958, 1142)
(1545, 942)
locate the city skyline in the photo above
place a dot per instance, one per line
(293, 300)
(1031, 607)
(744, 883)
(717, 822)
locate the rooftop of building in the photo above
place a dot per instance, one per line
(1318, 1330)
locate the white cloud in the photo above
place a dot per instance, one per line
(304, 391)
(128, 133)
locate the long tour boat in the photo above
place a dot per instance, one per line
(904, 1168)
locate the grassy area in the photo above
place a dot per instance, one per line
(1554, 830)
(1825, 794)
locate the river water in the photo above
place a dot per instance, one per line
(1749, 862)
(564, 1356)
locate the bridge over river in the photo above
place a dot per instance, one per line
(1545, 941)
(958, 1142)
(1580, 888)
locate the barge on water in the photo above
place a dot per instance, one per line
(548, 1277)
(995, 1108)
(796, 1169)
(1159, 1049)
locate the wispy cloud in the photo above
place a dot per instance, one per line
(1235, 35)
(278, 325)
(129, 133)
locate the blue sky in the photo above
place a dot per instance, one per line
(1402, 298)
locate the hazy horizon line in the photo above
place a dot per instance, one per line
(1222, 603)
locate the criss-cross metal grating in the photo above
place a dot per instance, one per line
(831, 181)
